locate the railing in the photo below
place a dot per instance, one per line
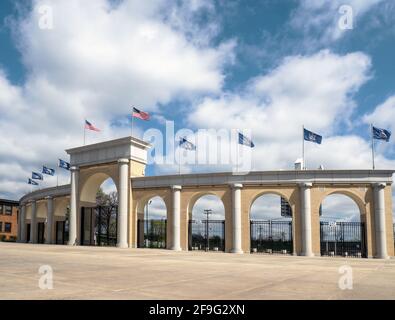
(152, 233)
(343, 239)
(207, 235)
(271, 236)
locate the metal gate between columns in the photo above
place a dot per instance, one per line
(271, 236)
(207, 235)
(152, 233)
(343, 239)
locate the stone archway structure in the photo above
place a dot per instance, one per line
(124, 160)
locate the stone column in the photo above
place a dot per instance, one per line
(73, 206)
(123, 166)
(49, 226)
(176, 218)
(236, 218)
(379, 213)
(305, 199)
(22, 227)
(33, 223)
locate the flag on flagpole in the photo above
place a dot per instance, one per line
(311, 136)
(48, 171)
(37, 176)
(140, 114)
(381, 134)
(63, 164)
(184, 143)
(32, 182)
(90, 126)
(243, 140)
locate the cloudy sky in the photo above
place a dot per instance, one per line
(268, 66)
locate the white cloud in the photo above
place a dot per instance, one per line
(383, 115)
(318, 19)
(315, 91)
(97, 61)
(339, 207)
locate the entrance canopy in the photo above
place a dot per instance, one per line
(109, 151)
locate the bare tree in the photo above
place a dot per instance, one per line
(108, 204)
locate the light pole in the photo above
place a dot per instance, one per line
(147, 218)
(207, 212)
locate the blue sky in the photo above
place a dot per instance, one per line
(267, 66)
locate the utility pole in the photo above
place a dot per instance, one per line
(207, 212)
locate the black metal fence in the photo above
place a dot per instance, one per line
(62, 232)
(106, 225)
(271, 236)
(343, 239)
(206, 235)
(152, 233)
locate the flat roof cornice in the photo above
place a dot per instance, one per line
(268, 177)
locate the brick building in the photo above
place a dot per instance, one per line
(8, 220)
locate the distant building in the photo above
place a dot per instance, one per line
(8, 220)
(286, 210)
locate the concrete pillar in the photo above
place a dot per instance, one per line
(123, 167)
(176, 229)
(22, 222)
(379, 213)
(236, 218)
(305, 199)
(49, 227)
(33, 223)
(73, 206)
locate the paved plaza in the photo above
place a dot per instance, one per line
(110, 273)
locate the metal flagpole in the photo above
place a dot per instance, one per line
(237, 152)
(84, 131)
(371, 132)
(131, 126)
(303, 165)
(179, 159)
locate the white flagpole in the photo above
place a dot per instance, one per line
(303, 157)
(84, 131)
(179, 160)
(131, 126)
(371, 132)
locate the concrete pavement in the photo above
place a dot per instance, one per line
(110, 273)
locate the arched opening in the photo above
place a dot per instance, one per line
(41, 209)
(152, 224)
(99, 211)
(206, 223)
(271, 225)
(342, 227)
(61, 219)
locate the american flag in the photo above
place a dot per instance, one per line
(140, 114)
(90, 126)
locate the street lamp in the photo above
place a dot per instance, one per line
(147, 219)
(207, 212)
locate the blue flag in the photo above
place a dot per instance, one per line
(32, 182)
(245, 141)
(48, 171)
(184, 143)
(312, 137)
(37, 176)
(63, 164)
(381, 134)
